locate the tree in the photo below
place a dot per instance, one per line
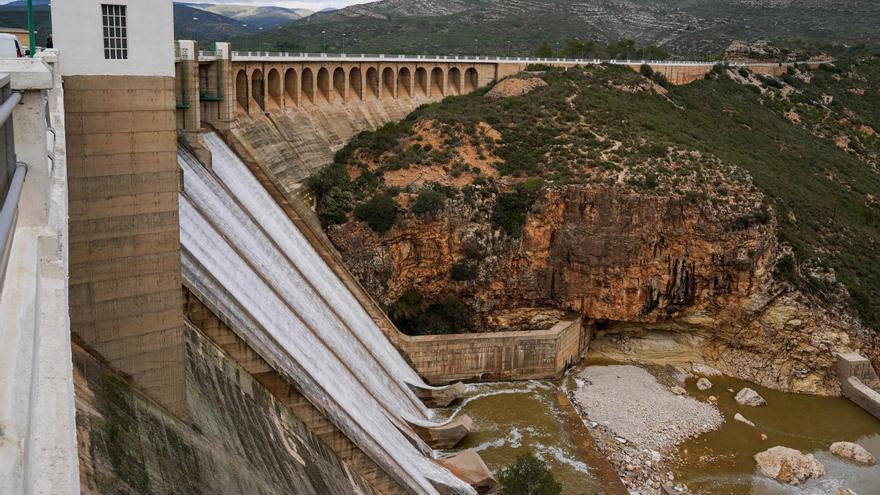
(544, 51)
(528, 476)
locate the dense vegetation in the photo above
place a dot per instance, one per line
(528, 476)
(692, 28)
(805, 142)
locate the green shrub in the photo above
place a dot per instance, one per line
(528, 476)
(428, 201)
(646, 70)
(380, 212)
(744, 72)
(414, 316)
(463, 270)
(511, 209)
(660, 79)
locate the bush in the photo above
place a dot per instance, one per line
(463, 270)
(414, 316)
(528, 476)
(380, 212)
(744, 72)
(646, 70)
(511, 209)
(428, 201)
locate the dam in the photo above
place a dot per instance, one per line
(180, 322)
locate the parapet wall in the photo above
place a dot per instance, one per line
(441, 359)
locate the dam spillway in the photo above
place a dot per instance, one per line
(247, 260)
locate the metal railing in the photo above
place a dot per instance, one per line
(461, 58)
(12, 176)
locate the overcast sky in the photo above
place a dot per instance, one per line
(308, 4)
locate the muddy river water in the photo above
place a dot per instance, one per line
(514, 418)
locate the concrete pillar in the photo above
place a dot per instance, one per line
(187, 86)
(125, 278)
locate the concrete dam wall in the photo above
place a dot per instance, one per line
(245, 259)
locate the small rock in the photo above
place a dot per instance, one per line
(678, 390)
(704, 384)
(846, 491)
(739, 417)
(788, 465)
(853, 452)
(763, 436)
(713, 399)
(730, 390)
(703, 369)
(620, 440)
(748, 397)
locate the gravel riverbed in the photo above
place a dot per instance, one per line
(637, 421)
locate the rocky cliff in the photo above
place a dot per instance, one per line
(696, 211)
(602, 252)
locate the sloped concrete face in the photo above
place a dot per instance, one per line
(469, 466)
(859, 381)
(439, 396)
(240, 438)
(447, 435)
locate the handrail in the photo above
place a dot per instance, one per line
(8, 216)
(8, 106)
(306, 56)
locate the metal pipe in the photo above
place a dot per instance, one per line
(8, 106)
(8, 215)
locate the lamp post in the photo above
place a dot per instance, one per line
(323, 41)
(476, 48)
(196, 28)
(343, 42)
(557, 49)
(261, 38)
(32, 35)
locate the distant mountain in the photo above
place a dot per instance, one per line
(205, 26)
(14, 15)
(519, 26)
(253, 15)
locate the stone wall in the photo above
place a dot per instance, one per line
(498, 355)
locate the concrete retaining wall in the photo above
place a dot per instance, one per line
(497, 356)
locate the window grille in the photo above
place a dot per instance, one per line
(115, 32)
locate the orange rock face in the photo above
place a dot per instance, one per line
(603, 253)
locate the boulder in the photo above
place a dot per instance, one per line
(853, 452)
(704, 384)
(788, 465)
(742, 419)
(846, 491)
(675, 389)
(748, 397)
(705, 370)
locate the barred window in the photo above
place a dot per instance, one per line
(115, 32)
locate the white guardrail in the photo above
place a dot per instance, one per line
(346, 57)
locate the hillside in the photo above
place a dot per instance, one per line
(753, 184)
(254, 15)
(518, 27)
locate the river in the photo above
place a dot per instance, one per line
(512, 418)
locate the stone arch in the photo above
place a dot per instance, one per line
(436, 82)
(372, 89)
(420, 88)
(356, 83)
(404, 83)
(291, 88)
(389, 88)
(339, 83)
(257, 88)
(453, 84)
(471, 80)
(275, 87)
(323, 92)
(308, 85)
(241, 90)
